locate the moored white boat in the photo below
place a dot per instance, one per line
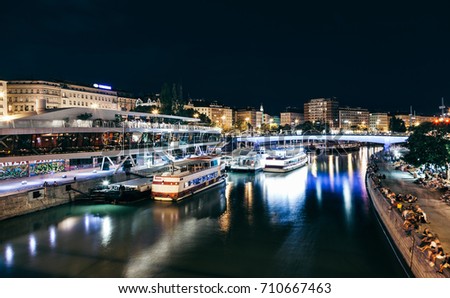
(188, 177)
(248, 161)
(281, 161)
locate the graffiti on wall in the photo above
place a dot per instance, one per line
(24, 169)
(13, 171)
(41, 168)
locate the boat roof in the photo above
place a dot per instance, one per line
(196, 159)
(134, 182)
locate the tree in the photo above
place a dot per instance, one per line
(166, 99)
(171, 99)
(312, 128)
(428, 144)
(84, 116)
(397, 125)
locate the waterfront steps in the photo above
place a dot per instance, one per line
(416, 260)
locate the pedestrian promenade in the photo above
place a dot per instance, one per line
(12, 186)
(438, 212)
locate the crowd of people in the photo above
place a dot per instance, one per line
(413, 216)
(427, 176)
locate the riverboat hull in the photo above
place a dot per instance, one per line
(187, 178)
(284, 164)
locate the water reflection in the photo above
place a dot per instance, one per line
(9, 255)
(312, 222)
(52, 236)
(32, 244)
(285, 194)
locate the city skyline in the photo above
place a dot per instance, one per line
(384, 58)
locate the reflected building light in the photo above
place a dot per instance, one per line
(336, 162)
(319, 191)
(68, 223)
(248, 195)
(347, 194)
(9, 255)
(350, 167)
(106, 231)
(225, 219)
(32, 245)
(331, 171)
(52, 236)
(86, 223)
(285, 195)
(314, 167)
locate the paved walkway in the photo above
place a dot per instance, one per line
(438, 212)
(12, 186)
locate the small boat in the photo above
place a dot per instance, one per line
(248, 161)
(188, 177)
(123, 192)
(281, 161)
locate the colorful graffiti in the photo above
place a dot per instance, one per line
(13, 171)
(42, 168)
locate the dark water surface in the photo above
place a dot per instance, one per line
(314, 222)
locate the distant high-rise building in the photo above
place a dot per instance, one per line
(354, 119)
(249, 115)
(379, 122)
(324, 110)
(221, 115)
(291, 116)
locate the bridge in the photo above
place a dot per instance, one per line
(386, 140)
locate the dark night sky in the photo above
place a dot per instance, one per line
(280, 53)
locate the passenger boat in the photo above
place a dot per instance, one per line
(188, 177)
(281, 161)
(248, 161)
(123, 192)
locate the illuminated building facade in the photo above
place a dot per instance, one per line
(36, 96)
(415, 120)
(379, 122)
(353, 119)
(220, 115)
(324, 110)
(292, 117)
(3, 98)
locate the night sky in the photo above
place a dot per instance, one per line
(384, 57)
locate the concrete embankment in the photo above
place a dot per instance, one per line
(406, 245)
(27, 201)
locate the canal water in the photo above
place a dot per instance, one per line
(316, 221)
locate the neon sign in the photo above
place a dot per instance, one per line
(102, 86)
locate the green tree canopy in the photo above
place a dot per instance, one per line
(428, 144)
(397, 125)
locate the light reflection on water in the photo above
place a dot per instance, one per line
(312, 222)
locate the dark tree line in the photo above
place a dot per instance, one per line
(429, 144)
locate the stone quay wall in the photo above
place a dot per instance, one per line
(406, 245)
(46, 197)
